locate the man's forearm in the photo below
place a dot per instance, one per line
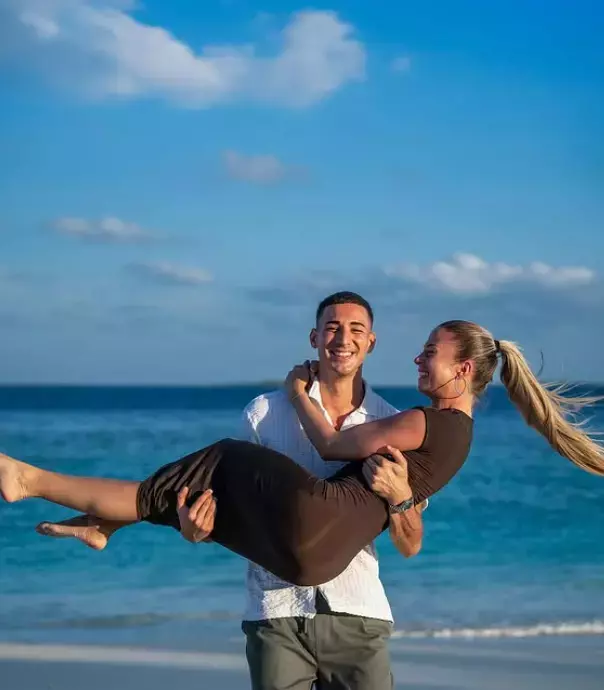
(406, 531)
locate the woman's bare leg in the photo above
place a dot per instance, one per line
(111, 499)
(89, 529)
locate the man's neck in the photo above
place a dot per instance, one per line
(341, 395)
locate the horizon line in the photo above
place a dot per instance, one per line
(226, 384)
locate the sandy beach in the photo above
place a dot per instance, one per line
(562, 663)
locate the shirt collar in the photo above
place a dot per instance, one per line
(367, 408)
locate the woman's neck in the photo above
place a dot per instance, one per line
(464, 403)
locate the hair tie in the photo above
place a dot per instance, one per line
(497, 347)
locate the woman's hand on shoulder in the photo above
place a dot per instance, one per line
(299, 378)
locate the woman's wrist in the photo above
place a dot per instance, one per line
(297, 394)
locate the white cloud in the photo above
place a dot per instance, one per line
(401, 64)
(469, 274)
(101, 50)
(173, 274)
(43, 27)
(258, 169)
(567, 275)
(109, 229)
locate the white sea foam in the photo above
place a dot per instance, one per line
(539, 630)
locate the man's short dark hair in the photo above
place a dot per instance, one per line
(344, 297)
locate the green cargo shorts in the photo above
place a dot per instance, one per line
(335, 651)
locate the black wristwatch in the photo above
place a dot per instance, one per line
(402, 506)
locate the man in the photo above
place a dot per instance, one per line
(336, 634)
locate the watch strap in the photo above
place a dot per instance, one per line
(402, 506)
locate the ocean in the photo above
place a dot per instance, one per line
(513, 545)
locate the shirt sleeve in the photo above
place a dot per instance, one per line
(248, 430)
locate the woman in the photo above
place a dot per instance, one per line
(307, 530)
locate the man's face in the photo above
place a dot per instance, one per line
(342, 338)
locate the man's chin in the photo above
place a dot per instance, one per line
(344, 369)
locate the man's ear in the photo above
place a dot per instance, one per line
(372, 342)
(313, 338)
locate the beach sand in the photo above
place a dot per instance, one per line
(560, 663)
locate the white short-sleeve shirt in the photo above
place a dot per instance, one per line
(271, 421)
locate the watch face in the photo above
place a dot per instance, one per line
(402, 507)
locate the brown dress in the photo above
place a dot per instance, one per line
(273, 512)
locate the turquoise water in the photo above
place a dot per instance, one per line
(513, 545)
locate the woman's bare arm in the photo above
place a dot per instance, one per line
(405, 431)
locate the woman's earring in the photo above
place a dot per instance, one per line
(465, 385)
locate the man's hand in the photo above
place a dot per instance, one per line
(196, 522)
(386, 478)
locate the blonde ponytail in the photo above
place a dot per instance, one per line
(547, 410)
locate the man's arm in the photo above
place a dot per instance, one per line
(389, 480)
(407, 530)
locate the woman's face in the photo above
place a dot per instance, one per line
(438, 367)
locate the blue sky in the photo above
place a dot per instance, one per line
(181, 182)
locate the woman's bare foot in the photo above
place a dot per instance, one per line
(14, 477)
(92, 531)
